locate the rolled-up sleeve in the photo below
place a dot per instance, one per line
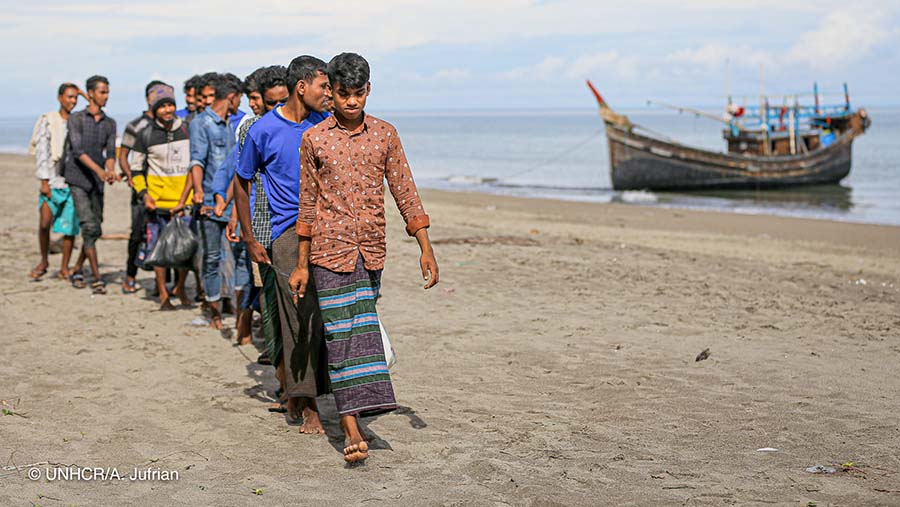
(403, 188)
(309, 188)
(199, 143)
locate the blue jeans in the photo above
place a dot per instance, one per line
(213, 234)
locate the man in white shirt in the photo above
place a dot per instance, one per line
(57, 209)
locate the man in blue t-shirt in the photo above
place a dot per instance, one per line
(272, 148)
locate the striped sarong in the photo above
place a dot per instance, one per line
(356, 363)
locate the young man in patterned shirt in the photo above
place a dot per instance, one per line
(344, 162)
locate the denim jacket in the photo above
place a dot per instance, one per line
(212, 142)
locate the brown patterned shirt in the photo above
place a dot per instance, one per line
(342, 192)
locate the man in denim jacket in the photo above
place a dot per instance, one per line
(212, 141)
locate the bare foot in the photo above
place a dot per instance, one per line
(312, 425)
(166, 305)
(357, 450)
(216, 322)
(182, 297)
(306, 408)
(244, 329)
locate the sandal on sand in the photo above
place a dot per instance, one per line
(36, 273)
(98, 287)
(77, 279)
(264, 359)
(278, 407)
(128, 287)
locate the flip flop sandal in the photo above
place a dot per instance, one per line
(128, 287)
(36, 274)
(264, 359)
(278, 408)
(98, 287)
(77, 280)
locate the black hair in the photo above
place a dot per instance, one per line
(227, 83)
(303, 67)
(251, 82)
(270, 77)
(65, 86)
(151, 84)
(192, 82)
(349, 70)
(208, 79)
(93, 81)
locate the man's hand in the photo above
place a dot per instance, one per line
(128, 181)
(198, 196)
(149, 203)
(206, 210)
(45, 189)
(231, 229)
(298, 280)
(257, 253)
(110, 177)
(178, 209)
(219, 210)
(429, 267)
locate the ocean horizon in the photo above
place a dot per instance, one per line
(562, 154)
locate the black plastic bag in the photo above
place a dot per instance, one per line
(175, 247)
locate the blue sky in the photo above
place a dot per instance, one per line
(464, 55)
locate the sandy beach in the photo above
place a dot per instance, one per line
(554, 365)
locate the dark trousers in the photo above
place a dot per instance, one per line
(138, 226)
(89, 208)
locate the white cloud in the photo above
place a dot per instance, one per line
(713, 56)
(546, 69)
(843, 37)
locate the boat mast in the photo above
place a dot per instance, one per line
(764, 110)
(728, 80)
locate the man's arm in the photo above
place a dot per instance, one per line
(42, 156)
(123, 164)
(406, 195)
(199, 152)
(111, 154)
(247, 166)
(222, 183)
(309, 195)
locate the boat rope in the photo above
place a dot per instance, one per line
(555, 158)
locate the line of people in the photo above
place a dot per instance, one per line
(292, 194)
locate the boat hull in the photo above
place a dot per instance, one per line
(639, 162)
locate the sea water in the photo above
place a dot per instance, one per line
(563, 155)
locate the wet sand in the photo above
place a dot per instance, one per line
(553, 365)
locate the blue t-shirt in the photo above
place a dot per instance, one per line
(235, 119)
(272, 147)
(182, 113)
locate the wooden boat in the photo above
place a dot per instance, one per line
(814, 152)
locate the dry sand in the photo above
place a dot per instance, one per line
(553, 365)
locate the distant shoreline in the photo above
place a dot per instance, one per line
(670, 217)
